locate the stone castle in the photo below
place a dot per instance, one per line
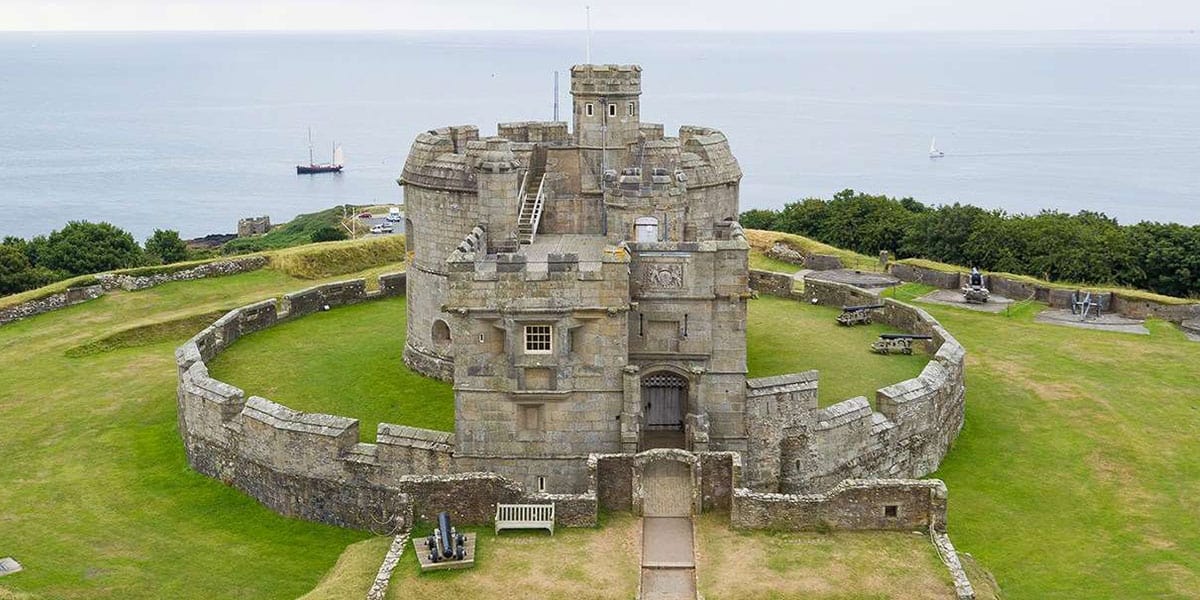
(585, 289)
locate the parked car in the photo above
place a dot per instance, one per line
(383, 228)
(394, 215)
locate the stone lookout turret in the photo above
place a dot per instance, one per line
(606, 105)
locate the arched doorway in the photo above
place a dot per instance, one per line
(664, 406)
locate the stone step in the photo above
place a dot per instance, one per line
(668, 584)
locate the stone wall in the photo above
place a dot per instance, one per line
(1057, 297)
(916, 274)
(125, 281)
(69, 297)
(854, 504)
(769, 282)
(907, 435)
(311, 465)
(233, 266)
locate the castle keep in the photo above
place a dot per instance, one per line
(586, 290)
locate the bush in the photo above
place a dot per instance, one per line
(1087, 247)
(329, 234)
(82, 247)
(166, 246)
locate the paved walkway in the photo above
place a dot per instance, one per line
(668, 560)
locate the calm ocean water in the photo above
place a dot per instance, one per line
(193, 131)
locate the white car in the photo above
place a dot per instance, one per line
(383, 228)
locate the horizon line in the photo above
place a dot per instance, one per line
(1184, 30)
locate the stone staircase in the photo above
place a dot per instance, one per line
(533, 197)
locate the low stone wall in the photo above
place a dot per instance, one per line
(123, 281)
(854, 504)
(857, 504)
(913, 273)
(233, 266)
(769, 282)
(311, 465)
(907, 435)
(1056, 297)
(69, 297)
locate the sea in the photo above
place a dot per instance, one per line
(191, 131)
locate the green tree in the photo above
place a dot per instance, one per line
(166, 245)
(83, 247)
(17, 274)
(759, 219)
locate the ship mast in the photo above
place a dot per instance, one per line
(310, 155)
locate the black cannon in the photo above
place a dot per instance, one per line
(896, 342)
(975, 293)
(445, 543)
(856, 315)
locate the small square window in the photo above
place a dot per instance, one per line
(891, 510)
(538, 339)
(631, 109)
(612, 110)
(589, 109)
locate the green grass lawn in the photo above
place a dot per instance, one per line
(785, 336)
(96, 499)
(345, 362)
(1077, 474)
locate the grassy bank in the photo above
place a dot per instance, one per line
(96, 499)
(346, 362)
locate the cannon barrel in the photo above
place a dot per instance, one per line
(904, 336)
(861, 307)
(447, 537)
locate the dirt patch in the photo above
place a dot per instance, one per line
(572, 564)
(995, 304)
(760, 564)
(1105, 322)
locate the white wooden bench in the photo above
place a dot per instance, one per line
(525, 516)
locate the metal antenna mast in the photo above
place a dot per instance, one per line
(588, 55)
(556, 95)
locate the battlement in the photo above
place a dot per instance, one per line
(543, 132)
(613, 80)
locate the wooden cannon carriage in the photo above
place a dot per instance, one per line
(891, 343)
(857, 315)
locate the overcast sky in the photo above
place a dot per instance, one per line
(23, 15)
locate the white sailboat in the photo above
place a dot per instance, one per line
(933, 151)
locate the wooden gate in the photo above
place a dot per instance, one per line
(667, 486)
(664, 397)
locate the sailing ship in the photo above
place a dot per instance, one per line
(333, 166)
(933, 151)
